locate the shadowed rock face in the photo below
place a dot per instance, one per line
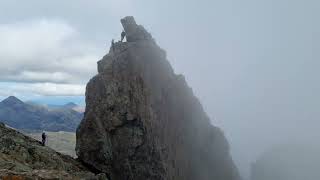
(142, 121)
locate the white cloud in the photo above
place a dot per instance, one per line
(50, 89)
(45, 51)
(44, 89)
(29, 76)
(48, 56)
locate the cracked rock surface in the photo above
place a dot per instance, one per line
(143, 122)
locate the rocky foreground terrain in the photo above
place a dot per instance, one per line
(22, 158)
(63, 142)
(143, 122)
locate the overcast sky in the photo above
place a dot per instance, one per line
(254, 64)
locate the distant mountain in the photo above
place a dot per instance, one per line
(69, 105)
(74, 106)
(12, 101)
(20, 115)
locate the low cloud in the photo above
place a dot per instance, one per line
(50, 89)
(42, 89)
(44, 50)
(44, 57)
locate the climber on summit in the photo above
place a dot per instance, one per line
(123, 34)
(44, 137)
(112, 45)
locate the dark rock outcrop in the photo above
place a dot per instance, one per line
(22, 157)
(142, 121)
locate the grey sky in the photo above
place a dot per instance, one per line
(253, 63)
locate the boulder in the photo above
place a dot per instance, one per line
(142, 121)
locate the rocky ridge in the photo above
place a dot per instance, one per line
(142, 121)
(23, 158)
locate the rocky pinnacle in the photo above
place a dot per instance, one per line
(143, 122)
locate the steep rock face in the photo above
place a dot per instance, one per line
(22, 157)
(143, 122)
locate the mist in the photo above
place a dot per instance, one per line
(254, 64)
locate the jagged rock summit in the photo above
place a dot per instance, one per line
(142, 121)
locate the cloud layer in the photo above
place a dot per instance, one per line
(45, 57)
(44, 89)
(44, 51)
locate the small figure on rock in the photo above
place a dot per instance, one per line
(44, 138)
(123, 35)
(112, 45)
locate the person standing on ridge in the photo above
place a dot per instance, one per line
(44, 138)
(123, 34)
